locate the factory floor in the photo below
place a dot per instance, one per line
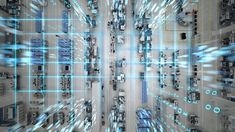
(165, 38)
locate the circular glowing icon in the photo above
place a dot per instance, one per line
(208, 107)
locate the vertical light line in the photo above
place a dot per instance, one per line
(132, 68)
(189, 75)
(160, 48)
(85, 65)
(126, 2)
(44, 52)
(189, 63)
(29, 73)
(57, 70)
(72, 59)
(15, 65)
(29, 67)
(100, 76)
(107, 2)
(58, 93)
(161, 70)
(101, 35)
(174, 49)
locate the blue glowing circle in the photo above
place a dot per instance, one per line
(208, 91)
(217, 110)
(208, 107)
(180, 110)
(214, 93)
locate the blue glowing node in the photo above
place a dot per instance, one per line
(217, 110)
(208, 107)
(214, 93)
(208, 91)
(179, 110)
(185, 114)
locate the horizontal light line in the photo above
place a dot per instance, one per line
(48, 91)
